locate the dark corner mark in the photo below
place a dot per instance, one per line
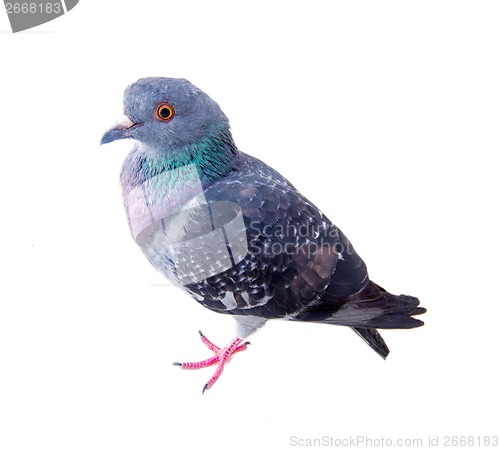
(25, 14)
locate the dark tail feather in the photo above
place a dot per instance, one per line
(374, 340)
(372, 307)
(395, 311)
(399, 313)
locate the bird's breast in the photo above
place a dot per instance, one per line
(160, 197)
(186, 237)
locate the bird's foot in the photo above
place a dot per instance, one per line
(220, 358)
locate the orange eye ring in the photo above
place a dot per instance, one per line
(164, 112)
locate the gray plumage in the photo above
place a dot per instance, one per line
(187, 187)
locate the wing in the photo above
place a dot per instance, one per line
(295, 254)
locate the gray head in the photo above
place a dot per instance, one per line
(167, 113)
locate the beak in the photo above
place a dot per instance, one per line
(121, 130)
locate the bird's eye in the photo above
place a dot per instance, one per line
(164, 112)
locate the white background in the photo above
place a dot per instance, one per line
(385, 114)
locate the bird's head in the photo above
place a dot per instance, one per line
(167, 114)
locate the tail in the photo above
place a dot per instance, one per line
(365, 311)
(374, 307)
(374, 340)
(393, 311)
(397, 311)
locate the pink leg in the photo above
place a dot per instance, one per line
(216, 349)
(220, 358)
(226, 353)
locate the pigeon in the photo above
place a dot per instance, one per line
(235, 234)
